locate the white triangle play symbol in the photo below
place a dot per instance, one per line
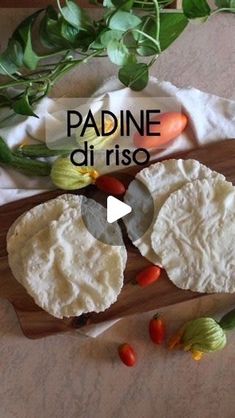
(116, 209)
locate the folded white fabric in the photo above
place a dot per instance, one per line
(211, 119)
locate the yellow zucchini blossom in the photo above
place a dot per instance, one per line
(91, 137)
(65, 175)
(199, 336)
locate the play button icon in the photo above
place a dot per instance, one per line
(101, 212)
(116, 209)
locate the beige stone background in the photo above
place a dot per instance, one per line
(71, 376)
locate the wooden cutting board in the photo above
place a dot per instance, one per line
(36, 323)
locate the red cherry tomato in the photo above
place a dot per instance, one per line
(127, 354)
(148, 275)
(110, 185)
(157, 330)
(171, 125)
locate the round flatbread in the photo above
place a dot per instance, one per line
(36, 219)
(62, 266)
(39, 217)
(161, 179)
(194, 235)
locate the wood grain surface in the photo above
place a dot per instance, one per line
(36, 323)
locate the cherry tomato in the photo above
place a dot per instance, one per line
(171, 125)
(127, 354)
(110, 185)
(157, 330)
(148, 276)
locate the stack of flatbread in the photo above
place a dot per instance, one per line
(61, 264)
(192, 234)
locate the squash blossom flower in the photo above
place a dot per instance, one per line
(100, 141)
(65, 175)
(199, 336)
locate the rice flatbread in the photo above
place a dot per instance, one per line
(62, 266)
(38, 218)
(194, 235)
(161, 179)
(68, 272)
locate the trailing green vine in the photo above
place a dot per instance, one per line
(128, 31)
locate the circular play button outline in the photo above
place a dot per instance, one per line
(95, 212)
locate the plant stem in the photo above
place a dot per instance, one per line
(19, 83)
(223, 9)
(73, 64)
(154, 41)
(39, 150)
(157, 11)
(7, 72)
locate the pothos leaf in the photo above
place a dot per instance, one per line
(123, 4)
(84, 39)
(23, 35)
(110, 35)
(69, 33)
(74, 15)
(118, 53)
(135, 76)
(12, 58)
(171, 26)
(57, 34)
(22, 106)
(145, 46)
(49, 29)
(108, 4)
(194, 9)
(123, 21)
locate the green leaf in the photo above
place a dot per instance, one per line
(123, 21)
(230, 4)
(69, 33)
(57, 34)
(110, 35)
(196, 8)
(30, 59)
(53, 35)
(227, 322)
(50, 29)
(145, 46)
(117, 52)
(96, 44)
(108, 4)
(71, 13)
(23, 107)
(123, 4)
(23, 35)
(85, 39)
(12, 58)
(171, 26)
(135, 76)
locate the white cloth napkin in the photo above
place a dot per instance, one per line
(211, 119)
